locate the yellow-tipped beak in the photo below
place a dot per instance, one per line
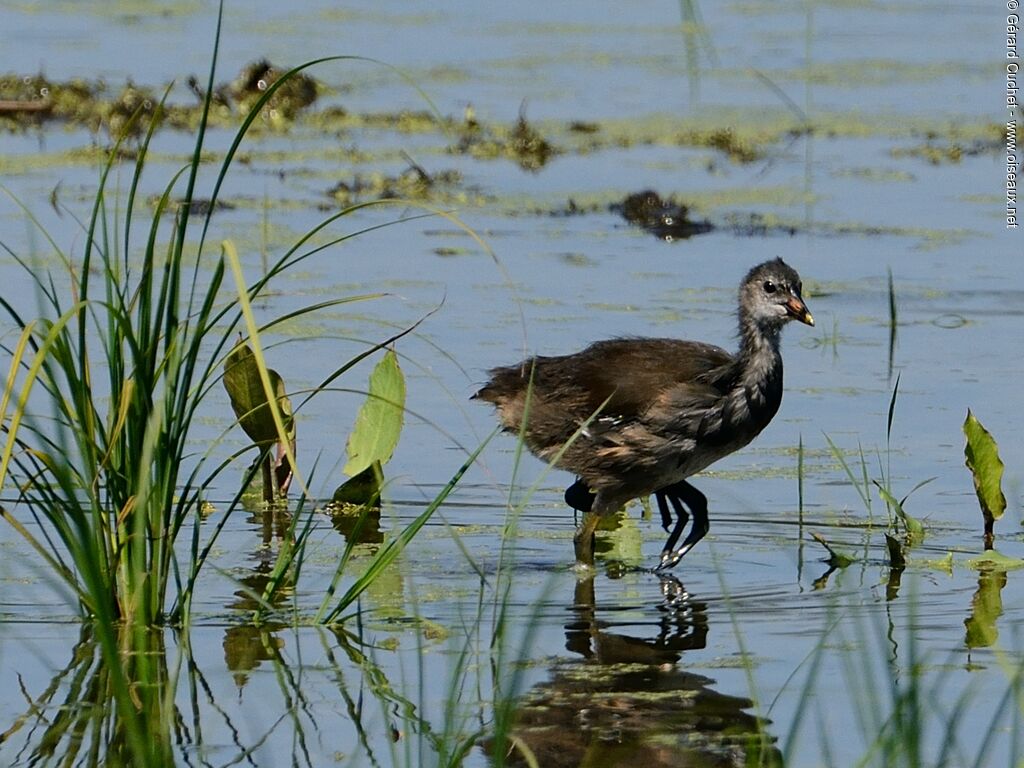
(798, 310)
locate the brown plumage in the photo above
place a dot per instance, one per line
(637, 416)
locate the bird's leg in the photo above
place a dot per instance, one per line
(679, 494)
(583, 540)
(666, 519)
(666, 516)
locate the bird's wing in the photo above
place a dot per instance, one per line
(626, 377)
(606, 387)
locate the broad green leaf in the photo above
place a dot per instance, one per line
(626, 541)
(249, 400)
(982, 458)
(379, 422)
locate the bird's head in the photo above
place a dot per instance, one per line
(771, 296)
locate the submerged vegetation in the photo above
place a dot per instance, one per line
(414, 183)
(722, 139)
(27, 101)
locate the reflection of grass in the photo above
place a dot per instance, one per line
(826, 339)
(75, 721)
(320, 689)
(905, 714)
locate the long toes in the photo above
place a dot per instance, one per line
(668, 560)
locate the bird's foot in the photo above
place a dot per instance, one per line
(583, 570)
(666, 562)
(671, 558)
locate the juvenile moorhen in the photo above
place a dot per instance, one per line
(636, 416)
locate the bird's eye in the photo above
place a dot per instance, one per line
(769, 286)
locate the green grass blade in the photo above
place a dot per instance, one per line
(862, 489)
(33, 372)
(231, 254)
(892, 408)
(387, 555)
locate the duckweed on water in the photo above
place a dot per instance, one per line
(523, 143)
(412, 184)
(28, 101)
(294, 95)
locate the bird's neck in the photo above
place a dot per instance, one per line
(760, 361)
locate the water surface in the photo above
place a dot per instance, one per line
(877, 151)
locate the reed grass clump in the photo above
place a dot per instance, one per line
(105, 381)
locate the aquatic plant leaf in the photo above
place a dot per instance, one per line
(994, 560)
(896, 386)
(390, 551)
(249, 400)
(835, 558)
(982, 458)
(626, 541)
(379, 422)
(986, 608)
(913, 526)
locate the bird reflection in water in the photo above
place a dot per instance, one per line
(682, 625)
(629, 702)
